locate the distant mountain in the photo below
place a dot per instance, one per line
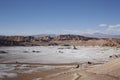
(41, 35)
(101, 35)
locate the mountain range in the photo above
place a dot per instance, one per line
(102, 35)
(95, 35)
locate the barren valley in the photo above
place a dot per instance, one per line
(62, 57)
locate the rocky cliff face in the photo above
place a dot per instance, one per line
(14, 40)
(72, 37)
(17, 38)
(56, 40)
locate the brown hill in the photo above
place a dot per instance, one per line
(72, 37)
(57, 40)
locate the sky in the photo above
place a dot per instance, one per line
(30, 17)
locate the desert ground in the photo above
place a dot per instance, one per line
(59, 63)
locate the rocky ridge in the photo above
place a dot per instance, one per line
(65, 40)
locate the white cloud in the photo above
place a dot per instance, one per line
(103, 25)
(110, 28)
(117, 26)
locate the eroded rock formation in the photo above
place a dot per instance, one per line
(76, 40)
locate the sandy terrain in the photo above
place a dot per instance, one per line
(107, 71)
(59, 63)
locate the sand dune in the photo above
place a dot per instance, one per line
(111, 68)
(107, 71)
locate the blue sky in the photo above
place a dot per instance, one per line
(28, 17)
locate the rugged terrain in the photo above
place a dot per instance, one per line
(59, 63)
(65, 40)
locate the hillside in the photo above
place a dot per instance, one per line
(65, 40)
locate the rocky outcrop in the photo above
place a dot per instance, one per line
(72, 37)
(17, 38)
(14, 40)
(9, 43)
(57, 40)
